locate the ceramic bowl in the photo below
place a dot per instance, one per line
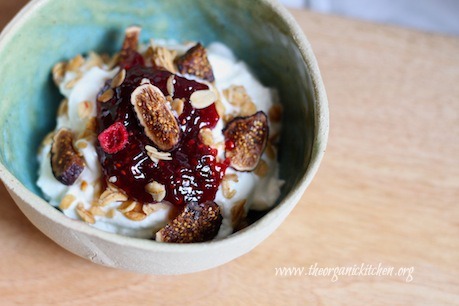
(261, 32)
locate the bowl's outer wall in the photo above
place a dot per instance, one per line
(50, 31)
(157, 261)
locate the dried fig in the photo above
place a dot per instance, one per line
(246, 139)
(197, 223)
(66, 164)
(195, 62)
(155, 116)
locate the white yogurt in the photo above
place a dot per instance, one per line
(259, 193)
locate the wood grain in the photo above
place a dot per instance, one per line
(387, 192)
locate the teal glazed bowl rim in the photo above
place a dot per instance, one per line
(320, 134)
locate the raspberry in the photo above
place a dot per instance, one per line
(114, 138)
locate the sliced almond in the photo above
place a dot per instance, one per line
(59, 71)
(81, 144)
(157, 190)
(148, 209)
(118, 79)
(96, 211)
(75, 63)
(151, 208)
(155, 116)
(206, 137)
(221, 110)
(67, 201)
(65, 163)
(202, 98)
(85, 215)
(227, 191)
(156, 155)
(170, 85)
(178, 105)
(197, 223)
(113, 61)
(105, 194)
(113, 197)
(106, 95)
(226, 188)
(110, 195)
(135, 216)
(249, 136)
(127, 206)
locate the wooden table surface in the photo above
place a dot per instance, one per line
(386, 194)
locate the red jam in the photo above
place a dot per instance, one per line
(193, 174)
(130, 59)
(229, 145)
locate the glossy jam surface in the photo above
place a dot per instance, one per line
(193, 174)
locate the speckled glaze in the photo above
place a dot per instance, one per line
(262, 33)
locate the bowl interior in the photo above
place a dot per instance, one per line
(58, 30)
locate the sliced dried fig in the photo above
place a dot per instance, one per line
(66, 164)
(195, 62)
(197, 223)
(129, 57)
(131, 38)
(246, 139)
(155, 116)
